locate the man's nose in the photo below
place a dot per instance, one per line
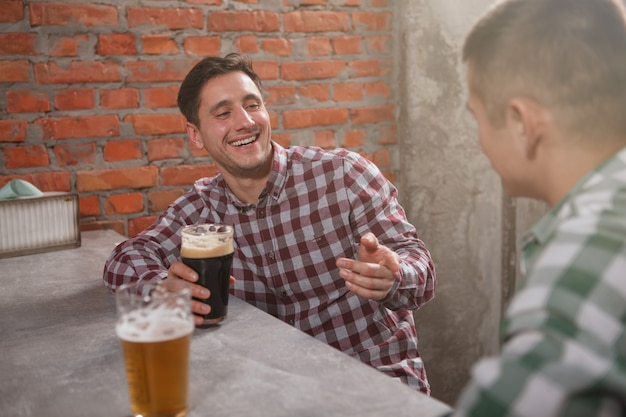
(243, 120)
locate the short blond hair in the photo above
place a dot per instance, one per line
(568, 55)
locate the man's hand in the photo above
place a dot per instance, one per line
(179, 270)
(374, 273)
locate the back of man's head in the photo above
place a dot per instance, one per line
(568, 55)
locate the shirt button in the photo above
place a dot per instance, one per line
(262, 214)
(272, 255)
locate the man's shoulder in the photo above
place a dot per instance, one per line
(316, 153)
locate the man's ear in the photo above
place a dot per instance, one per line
(194, 135)
(526, 120)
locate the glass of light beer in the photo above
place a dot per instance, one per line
(154, 326)
(208, 250)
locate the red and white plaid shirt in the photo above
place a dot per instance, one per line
(315, 207)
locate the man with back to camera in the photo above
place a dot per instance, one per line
(547, 87)
(320, 239)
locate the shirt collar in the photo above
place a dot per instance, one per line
(545, 227)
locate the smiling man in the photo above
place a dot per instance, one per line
(321, 241)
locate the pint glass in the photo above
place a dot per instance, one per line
(208, 250)
(154, 326)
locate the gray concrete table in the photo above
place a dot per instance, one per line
(60, 355)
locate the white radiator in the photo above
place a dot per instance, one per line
(39, 224)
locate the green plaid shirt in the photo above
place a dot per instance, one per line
(564, 345)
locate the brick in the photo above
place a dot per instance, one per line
(26, 157)
(49, 181)
(27, 101)
(156, 124)
(371, 21)
(316, 21)
(278, 46)
(174, 18)
(77, 72)
(368, 68)
(159, 97)
(206, 2)
(75, 99)
(325, 139)
(354, 138)
(317, 92)
(202, 45)
(347, 92)
(295, 119)
(186, 174)
(89, 206)
(382, 159)
(123, 204)
(243, 21)
(47, 14)
(318, 46)
(112, 179)
(379, 44)
(158, 45)
(111, 44)
(280, 95)
(283, 139)
(12, 11)
(160, 149)
(122, 150)
(18, 44)
(266, 70)
(75, 154)
(374, 114)
(388, 135)
(68, 46)
(158, 201)
(157, 71)
(312, 70)
(377, 89)
(13, 130)
(347, 45)
(79, 127)
(123, 98)
(247, 44)
(139, 224)
(14, 71)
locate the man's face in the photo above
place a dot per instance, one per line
(234, 126)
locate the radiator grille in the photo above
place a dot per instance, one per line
(39, 224)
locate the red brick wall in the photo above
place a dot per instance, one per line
(88, 91)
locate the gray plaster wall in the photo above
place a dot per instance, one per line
(451, 193)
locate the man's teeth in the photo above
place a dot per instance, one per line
(244, 141)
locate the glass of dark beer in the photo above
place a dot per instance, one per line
(154, 326)
(208, 250)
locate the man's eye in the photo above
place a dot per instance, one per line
(223, 115)
(253, 106)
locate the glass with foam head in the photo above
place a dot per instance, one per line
(208, 250)
(154, 326)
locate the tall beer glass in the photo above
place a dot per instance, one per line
(154, 326)
(208, 250)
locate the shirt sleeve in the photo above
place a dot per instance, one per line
(375, 208)
(562, 335)
(148, 255)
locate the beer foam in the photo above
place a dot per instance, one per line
(152, 325)
(206, 241)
